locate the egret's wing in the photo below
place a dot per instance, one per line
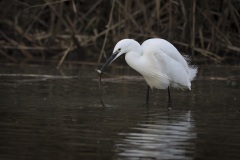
(166, 47)
(183, 60)
(172, 69)
(172, 52)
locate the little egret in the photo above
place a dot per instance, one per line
(158, 61)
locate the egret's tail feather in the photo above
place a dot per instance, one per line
(192, 72)
(192, 69)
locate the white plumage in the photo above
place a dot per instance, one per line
(158, 61)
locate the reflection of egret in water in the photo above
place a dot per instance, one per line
(160, 137)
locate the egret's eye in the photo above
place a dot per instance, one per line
(117, 51)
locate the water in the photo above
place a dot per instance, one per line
(47, 114)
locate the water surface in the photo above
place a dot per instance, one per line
(50, 114)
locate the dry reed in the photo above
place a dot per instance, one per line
(45, 29)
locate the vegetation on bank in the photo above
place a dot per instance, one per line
(87, 30)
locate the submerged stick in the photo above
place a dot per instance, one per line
(99, 86)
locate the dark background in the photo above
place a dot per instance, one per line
(87, 30)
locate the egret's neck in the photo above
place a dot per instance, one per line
(133, 59)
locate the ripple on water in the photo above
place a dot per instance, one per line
(160, 138)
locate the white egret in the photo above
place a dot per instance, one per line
(158, 61)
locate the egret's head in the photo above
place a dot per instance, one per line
(122, 47)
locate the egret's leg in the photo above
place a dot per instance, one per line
(147, 99)
(169, 105)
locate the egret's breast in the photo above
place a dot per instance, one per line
(155, 82)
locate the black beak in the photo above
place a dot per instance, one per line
(109, 61)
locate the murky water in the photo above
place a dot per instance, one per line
(46, 114)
